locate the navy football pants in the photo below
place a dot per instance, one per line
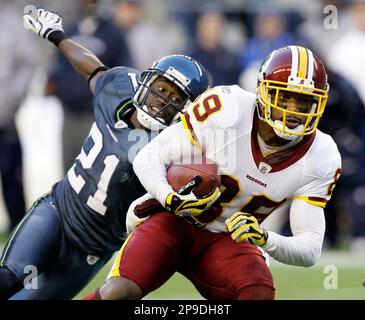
(37, 246)
(11, 167)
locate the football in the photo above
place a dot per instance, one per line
(180, 174)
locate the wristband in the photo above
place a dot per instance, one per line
(55, 37)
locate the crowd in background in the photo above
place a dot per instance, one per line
(230, 38)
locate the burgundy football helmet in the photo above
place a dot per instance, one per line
(292, 69)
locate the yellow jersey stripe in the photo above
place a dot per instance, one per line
(187, 129)
(320, 202)
(190, 131)
(114, 271)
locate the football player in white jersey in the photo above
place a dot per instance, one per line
(269, 153)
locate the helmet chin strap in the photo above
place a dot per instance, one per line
(149, 122)
(287, 136)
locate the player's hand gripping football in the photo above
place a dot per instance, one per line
(244, 226)
(44, 23)
(185, 203)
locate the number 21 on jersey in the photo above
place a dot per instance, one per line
(96, 201)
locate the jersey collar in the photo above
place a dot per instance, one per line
(282, 159)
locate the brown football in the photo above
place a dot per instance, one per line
(179, 175)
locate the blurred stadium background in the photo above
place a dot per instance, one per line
(230, 37)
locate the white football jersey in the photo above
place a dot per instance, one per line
(223, 123)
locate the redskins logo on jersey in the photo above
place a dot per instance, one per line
(297, 70)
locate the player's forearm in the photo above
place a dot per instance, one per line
(304, 247)
(150, 163)
(150, 167)
(82, 59)
(48, 25)
(303, 250)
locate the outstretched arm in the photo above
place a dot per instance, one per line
(84, 61)
(49, 26)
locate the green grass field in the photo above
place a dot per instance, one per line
(341, 273)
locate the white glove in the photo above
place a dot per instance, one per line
(132, 220)
(43, 23)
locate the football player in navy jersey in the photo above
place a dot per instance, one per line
(70, 233)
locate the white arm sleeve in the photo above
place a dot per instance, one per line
(307, 223)
(132, 221)
(171, 145)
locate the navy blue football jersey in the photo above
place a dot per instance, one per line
(94, 197)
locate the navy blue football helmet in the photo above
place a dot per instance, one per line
(187, 74)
